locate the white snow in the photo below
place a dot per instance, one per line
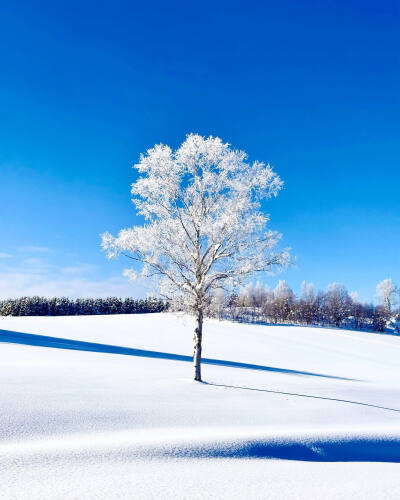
(320, 420)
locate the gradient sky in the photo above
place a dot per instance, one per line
(310, 87)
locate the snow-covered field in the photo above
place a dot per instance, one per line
(284, 413)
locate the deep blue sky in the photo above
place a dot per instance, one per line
(310, 87)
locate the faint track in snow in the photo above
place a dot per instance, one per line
(302, 395)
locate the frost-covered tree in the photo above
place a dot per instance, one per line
(218, 302)
(283, 291)
(283, 300)
(247, 302)
(260, 293)
(338, 303)
(307, 292)
(246, 296)
(357, 311)
(385, 291)
(204, 225)
(307, 303)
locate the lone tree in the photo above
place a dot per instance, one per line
(204, 228)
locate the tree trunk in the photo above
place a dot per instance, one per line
(198, 333)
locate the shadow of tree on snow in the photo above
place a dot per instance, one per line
(31, 339)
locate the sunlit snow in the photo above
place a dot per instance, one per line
(104, 407)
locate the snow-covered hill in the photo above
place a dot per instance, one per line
(104, 407)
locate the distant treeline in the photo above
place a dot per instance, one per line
(63, 306)
(333, 307)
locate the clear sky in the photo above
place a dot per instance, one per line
(310, 87)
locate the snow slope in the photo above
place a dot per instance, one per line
(104, 407)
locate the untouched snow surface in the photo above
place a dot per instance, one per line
(104, 407)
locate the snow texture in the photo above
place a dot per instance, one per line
(104, 407)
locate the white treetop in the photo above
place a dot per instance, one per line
(354, 297)
(283, 291)
(307, 293)
(204, 227)
(385, 290)
(260, 293)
